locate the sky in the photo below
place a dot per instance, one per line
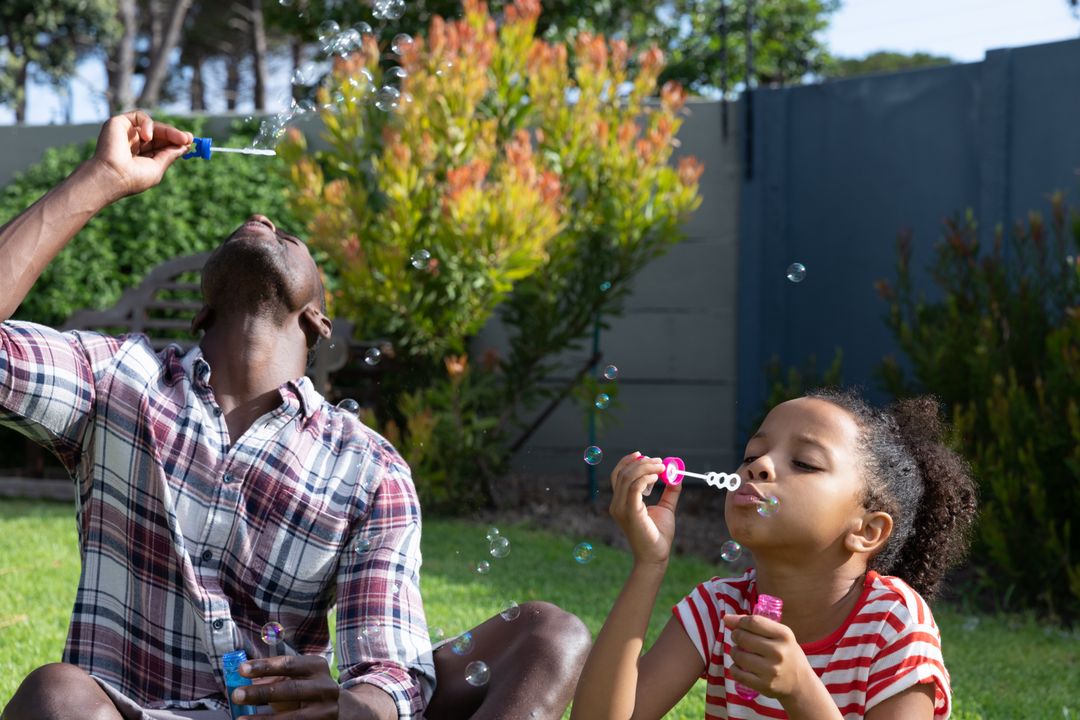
(961, 29)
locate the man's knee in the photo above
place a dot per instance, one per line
(60, 690)
(555, 635)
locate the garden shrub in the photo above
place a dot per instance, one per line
(1002, 349)
(505, 182)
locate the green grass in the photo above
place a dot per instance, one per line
(1002, 666)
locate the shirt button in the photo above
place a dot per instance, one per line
(207, 556)
(218, 624)
(227, 478)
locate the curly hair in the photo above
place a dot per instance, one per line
(926, 487)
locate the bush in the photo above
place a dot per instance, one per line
(502, 181)
(1002, 349)
(196, 205)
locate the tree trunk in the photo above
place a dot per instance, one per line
(258, 50)
(20, 93)
(232, 84)
(121, 66)
(198, 87)
(160, 56)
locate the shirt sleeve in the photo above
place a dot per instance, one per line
(48, 383)
(911, 656)
(700, 616)
(382, 634)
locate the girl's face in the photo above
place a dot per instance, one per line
(805, 454)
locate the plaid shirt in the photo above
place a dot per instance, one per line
(191, 544)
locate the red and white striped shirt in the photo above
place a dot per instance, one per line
(887, 644)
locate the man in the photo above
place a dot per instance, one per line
(219, 493)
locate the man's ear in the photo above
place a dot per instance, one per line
(869, 533)
(315, 324)
(202, 319)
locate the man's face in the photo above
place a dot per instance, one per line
(260, 269)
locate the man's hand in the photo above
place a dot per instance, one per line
(136, 151)
(297, 686)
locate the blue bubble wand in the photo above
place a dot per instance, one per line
(202, 150)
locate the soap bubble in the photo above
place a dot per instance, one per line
(605, 286)
(483, 567)
(463, 644)
(444, 67)
(796, 272)
(345, 42)
(369, 633)
(349, 405)
(362, 545)
(386, 99)
(401, 44)
(299, 77)
(389, 9)
(328, 30)
(611, 372)
(510, 612)
(372, 356)
(397, 73)
(285, 3)
(477, 673)
(593, 455)
(304, 107)
(602, 401)
(583, 553)
(363, 29)
(437, 635)
(492, 533)
(730, 551)
(420, 259)
(272, 633)
(769, 506)
(360, 85)
(500, 547)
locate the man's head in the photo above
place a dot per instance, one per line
(262, 272)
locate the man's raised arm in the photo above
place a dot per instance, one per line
(132, 155)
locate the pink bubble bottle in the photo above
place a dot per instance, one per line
(770, 607)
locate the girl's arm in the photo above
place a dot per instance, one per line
(617, 683)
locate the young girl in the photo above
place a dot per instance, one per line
(872, 509)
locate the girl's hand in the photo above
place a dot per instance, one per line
(767, 657)
(650, 530)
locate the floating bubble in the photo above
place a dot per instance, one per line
(510, 612)
(362, 544)
(730, 551)
(593, 455)
(345, 42)
(387, 97)
(796, 272)
(437, 635)
(611, 372)
(285, 3)
(372, 356)
(769, 506)
(605, 286)
(602, 401)
(389, 9)
(305, 107)
(463, 644)
(500, 547)
(349, 405)
(299, 77)
(397, 73)
(360, 85)
(369, 633)
(477, 673)
(583, 553)
(401, 44)
(483, 567)
(444, 67)
(272, 633)
(327, 31)
(420, 259)
(492, 533)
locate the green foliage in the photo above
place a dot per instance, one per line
(1002, 350)
(883, 61)
(195, 207)
(519, 201)
(796, 382)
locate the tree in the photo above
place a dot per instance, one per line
(44, 39)
(884, 61)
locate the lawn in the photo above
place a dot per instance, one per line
(1002, 666)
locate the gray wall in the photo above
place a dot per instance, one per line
(839, 169)
(675, 344)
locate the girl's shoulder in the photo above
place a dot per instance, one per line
(896, 602)
(731, 594)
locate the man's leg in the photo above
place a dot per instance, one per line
(534, 660)
(60, 691)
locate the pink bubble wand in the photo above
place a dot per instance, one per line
(675, 470)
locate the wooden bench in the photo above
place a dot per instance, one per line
(162, 306)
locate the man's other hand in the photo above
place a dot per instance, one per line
(299, 685)
(137, 151)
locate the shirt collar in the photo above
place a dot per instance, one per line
(301, 389)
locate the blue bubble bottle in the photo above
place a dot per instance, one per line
(233, 679)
